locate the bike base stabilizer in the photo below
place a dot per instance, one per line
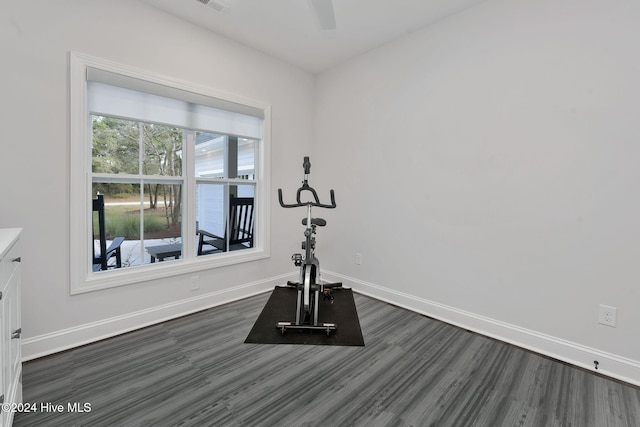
(325, 327)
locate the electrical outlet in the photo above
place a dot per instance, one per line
(195, 283)
(358, 258)
(607, 315)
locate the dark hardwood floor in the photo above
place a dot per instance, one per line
(413, 371)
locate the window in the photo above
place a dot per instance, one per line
(181, 169)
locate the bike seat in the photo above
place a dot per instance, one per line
(315, 221)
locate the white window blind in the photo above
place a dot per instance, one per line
(115, 95)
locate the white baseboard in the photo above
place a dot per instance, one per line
(55, 342)
(611, 365)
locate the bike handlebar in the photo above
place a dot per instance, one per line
(300, 203)
(306, 187)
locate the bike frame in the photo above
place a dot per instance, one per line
(309, 284)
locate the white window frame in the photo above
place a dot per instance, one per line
(82, 279)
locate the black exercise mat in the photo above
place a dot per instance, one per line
(281, 307)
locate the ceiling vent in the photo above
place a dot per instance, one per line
(216, 5)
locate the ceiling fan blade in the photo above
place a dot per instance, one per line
(323, 10)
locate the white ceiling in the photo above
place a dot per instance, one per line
(289, 29)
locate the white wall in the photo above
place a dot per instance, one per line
(487, 170)
(35, 40)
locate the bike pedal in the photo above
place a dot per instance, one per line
(297, 259)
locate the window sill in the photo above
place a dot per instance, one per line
(160, 270)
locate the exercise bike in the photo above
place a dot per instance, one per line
(309, 285)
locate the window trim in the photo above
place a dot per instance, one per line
(81, 278)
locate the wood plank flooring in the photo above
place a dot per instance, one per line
(413, 371)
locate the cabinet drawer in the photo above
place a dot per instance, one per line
(9, 264)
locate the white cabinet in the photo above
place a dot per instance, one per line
(10, 330)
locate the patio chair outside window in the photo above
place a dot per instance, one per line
(101, 259)
(241, 225)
